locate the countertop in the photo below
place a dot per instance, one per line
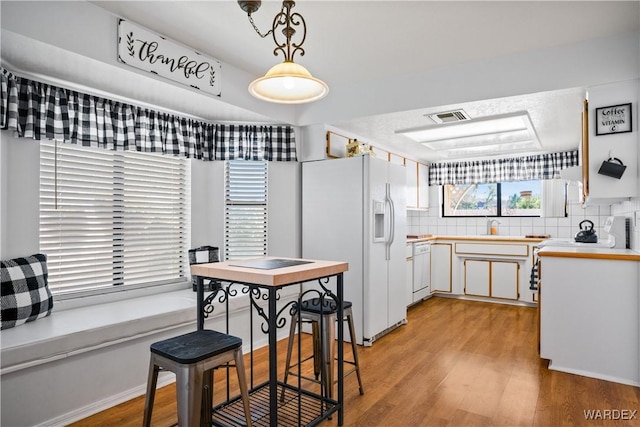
(479, 238)
(227, 270)
(591, 253)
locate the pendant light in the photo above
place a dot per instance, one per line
(287, 82)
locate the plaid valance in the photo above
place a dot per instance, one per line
(541, 166)
(41, 111)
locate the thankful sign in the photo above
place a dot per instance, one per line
(142, 49)
(613, 119)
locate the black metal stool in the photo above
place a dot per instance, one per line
(312, 312)
(192, 357)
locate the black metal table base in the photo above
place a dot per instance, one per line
(297, 408)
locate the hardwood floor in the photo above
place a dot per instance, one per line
(456, 363)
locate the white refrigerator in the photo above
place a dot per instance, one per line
(354, 210)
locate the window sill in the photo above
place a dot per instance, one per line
(77, 330)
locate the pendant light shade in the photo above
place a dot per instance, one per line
(288, 83)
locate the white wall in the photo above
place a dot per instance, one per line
(207, 204)
(284, 209)
(19, 200)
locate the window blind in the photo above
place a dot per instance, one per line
(245, 209)
(112, 218)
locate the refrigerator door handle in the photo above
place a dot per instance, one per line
(392, 219)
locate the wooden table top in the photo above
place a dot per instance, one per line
(229, 271)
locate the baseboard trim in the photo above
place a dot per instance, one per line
(111, 401)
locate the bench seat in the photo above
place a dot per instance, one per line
(71, 331)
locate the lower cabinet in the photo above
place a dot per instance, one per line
(441, 267)
(496, 279)
(409, 275)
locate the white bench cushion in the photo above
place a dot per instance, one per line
(80, 329)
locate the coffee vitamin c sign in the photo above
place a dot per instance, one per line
(145, 50)
(613, 119)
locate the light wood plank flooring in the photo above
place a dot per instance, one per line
(456, 363)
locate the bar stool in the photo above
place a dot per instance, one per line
(312, 312)
(192, 358)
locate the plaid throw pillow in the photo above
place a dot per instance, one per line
(25, 295)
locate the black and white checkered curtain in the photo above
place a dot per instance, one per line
(40, 111)
(540, 166)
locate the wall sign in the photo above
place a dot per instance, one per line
(142, 49)
(613, 119)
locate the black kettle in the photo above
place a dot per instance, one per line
(586, 234)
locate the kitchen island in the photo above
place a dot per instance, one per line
(589, 312)
(265, 277)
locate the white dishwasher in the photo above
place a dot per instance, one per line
(421, 270)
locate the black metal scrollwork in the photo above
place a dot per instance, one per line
(255, 296)
(327, 291)
(208, 305)
(222, 293)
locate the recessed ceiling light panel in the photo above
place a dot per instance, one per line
(491, 134)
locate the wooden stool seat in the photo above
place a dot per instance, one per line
(322, 316)
(196, 346)
(328, 306)
(192, 358)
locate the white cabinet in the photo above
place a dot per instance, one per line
(412, 183)
(417, 185)
(409, 273)
(495, 279)
(477, 275)
(504, 279)
(423, 186)
(589, 315)
(441, 267)
(597, 148)
(499, 275)
(396, 159)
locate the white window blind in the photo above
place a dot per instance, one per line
(245, 209)
(112, 218)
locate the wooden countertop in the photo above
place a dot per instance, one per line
(589, 253)
(275, 277)
(480, 238)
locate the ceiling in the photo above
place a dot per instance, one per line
(349, 41)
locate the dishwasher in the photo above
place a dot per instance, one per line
(421, 271)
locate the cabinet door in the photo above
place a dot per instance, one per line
(441, 267)
(409, 282)
(504, 279)
(412, 183)
(395, 159)
(423, 186)
(477, 277)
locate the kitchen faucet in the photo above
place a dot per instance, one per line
(492, 226)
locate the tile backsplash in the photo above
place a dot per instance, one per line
(430, 222)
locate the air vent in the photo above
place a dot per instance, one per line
(449, 116)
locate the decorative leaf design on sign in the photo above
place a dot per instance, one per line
(130, 44)
(212, 80)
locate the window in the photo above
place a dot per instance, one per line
(112, 218)
(518, 198)
(245, 209)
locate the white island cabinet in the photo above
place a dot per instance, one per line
(589, 312)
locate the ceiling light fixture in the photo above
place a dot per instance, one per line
(287, 82)
(512, 131)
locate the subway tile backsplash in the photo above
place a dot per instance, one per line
(429, 222)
